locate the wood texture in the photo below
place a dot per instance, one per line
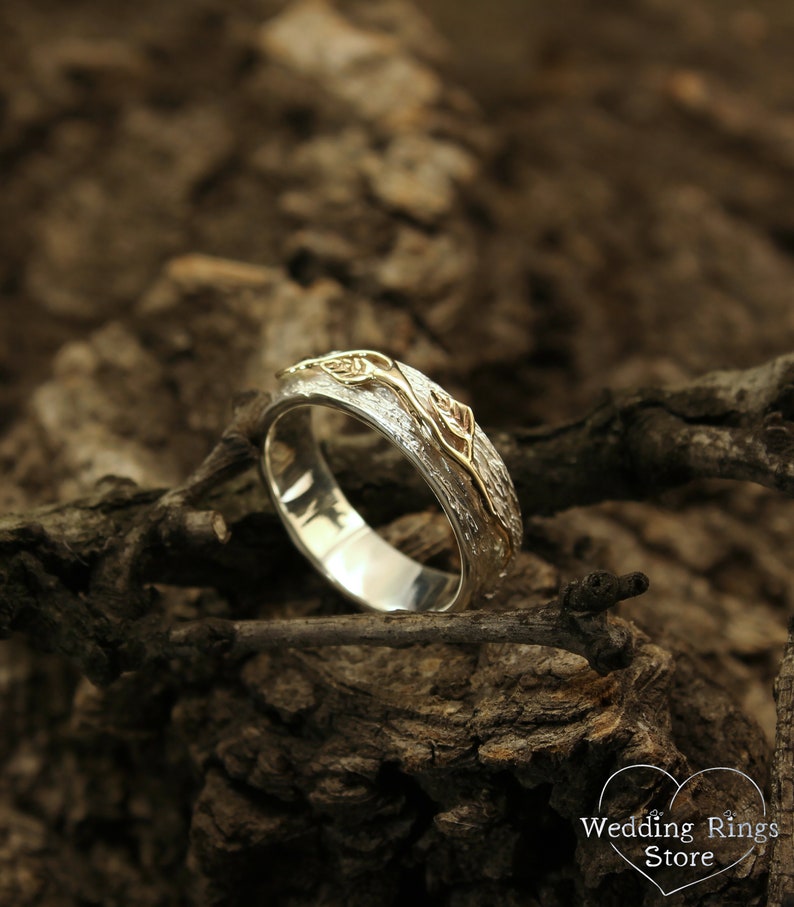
(530, 202)
(781, 882)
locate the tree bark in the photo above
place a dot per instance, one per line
(561, 202)
(781, 878)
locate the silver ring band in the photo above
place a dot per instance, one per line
(439, 437)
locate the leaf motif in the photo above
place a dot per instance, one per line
(455, 420)
(356, 367)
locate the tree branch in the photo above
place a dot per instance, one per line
(74, 576)
(728, 425)
(575, 621)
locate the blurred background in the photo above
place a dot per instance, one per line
(607, 199)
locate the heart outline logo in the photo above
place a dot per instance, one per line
(679, 787)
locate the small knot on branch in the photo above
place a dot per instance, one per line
(601, 590)
(196, 528)
(211, 636)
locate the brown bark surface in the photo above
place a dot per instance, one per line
(578, 218)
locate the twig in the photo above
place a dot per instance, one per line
(73, 577)
(781, 872)
(576, 622)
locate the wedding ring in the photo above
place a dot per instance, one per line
(437, 434)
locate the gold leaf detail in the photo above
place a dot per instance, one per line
(451, 422)
(455, 421)
(350, 369)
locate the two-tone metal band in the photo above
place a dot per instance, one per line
(439, 437)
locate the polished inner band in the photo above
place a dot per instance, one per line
(323, 523)
(437, 434)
